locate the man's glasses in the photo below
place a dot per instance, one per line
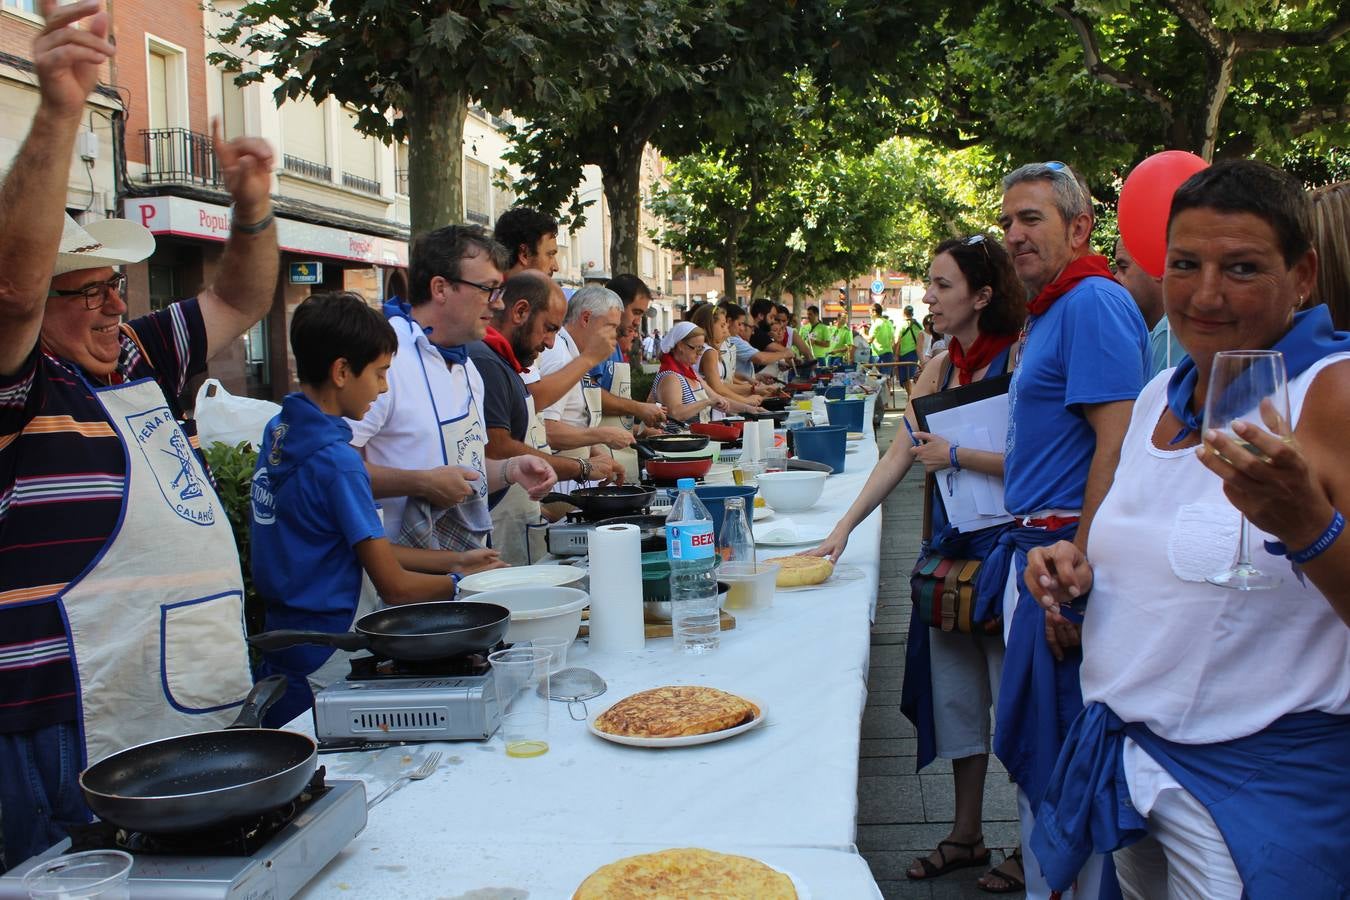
(95, 295)
(494, 291)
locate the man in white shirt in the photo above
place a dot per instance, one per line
(572, 421)
(424, 438)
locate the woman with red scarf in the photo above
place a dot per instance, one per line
(975, 299)
(677, 386)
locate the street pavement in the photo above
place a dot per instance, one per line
(903, 814)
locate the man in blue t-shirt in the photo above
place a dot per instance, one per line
(315, 527)
(1082, 365)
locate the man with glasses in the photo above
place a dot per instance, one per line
(121, 598)
(1081, 366)
(424, 440)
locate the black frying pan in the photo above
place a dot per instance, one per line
(412, 632)
(605, 502)
(199, 780)
(675, 443)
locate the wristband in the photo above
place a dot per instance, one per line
(506, 472)
(585, 466)
(254, 228)
(1316, 548)
(956, 464)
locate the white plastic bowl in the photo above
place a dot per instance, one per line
(791, 491)
(539, 611)
(519, 577)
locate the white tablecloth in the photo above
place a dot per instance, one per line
(785, 791)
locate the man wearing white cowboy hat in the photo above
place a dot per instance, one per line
(120, 591)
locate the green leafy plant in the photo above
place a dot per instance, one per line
(232, 468)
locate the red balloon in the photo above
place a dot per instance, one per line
(1146, 200)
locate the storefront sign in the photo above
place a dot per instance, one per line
(207, 221)
(309, 272)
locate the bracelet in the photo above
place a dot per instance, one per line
(585, 466)
(506, 471)
(255, 228)
(1316, 548)
(956, 464)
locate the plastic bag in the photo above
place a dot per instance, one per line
(223, 417)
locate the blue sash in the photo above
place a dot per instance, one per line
(1038, 696)
(1280, 798)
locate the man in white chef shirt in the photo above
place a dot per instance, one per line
(573, 421)
(425, 439)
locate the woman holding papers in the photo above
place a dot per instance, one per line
(977, 300)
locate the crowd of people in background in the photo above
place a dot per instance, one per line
(1156, 725)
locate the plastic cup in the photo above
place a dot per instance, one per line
(520, 676)
(81, 876)
(752, 584)
(557, 646)
(775, 459)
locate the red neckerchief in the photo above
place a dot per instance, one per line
(670, 364)
(1074, 272)
(981, 354)
(502, 347)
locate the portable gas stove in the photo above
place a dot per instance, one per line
(384, 701)
(571, 536)
(270, 857)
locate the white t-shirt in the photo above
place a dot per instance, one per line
(571, 408)
(400, 429)
(1199, 664)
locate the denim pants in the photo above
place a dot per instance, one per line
(39, 789)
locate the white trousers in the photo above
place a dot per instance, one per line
(1089, 882)
(1184, 857)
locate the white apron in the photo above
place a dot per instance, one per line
(591, 394)
(700, 395)
(622, 386)
(518, 528)
(157, 621)
(463, 443)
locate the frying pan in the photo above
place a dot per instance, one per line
(199, 780)
(652, 530)
(412, 631)
(675, 469)
(774, 404)
(675, 443)
(604, 502)
(717, 431)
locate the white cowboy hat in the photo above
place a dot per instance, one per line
(107, 242)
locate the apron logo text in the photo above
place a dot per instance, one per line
(180, 477)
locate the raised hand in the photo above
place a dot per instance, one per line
(246, 166)
(67, 56)
(533, 474)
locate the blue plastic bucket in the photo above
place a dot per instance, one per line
(714, 497)
(846, 413)
(822, 445)
(835, 392)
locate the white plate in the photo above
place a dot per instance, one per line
(852, 448)
(799, 541)
(685, 741)
(519, 576)
(841, 573)
(762, 513)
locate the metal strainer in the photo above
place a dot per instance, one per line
(575, 686)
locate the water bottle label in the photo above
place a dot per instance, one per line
(690, 541)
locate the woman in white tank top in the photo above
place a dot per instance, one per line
(1196, 673)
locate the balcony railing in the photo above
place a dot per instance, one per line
(177, 156)
(478, 218)
(306, 168)
(357, 183)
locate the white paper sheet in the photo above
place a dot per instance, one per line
(972, 499)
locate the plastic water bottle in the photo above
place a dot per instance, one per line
(692, 551)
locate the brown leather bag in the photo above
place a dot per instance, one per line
(943, 589)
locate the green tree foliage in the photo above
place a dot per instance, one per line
(410, 67)
(1103, 83)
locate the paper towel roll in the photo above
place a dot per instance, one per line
(751, 451)
(765, 428)
(615, 553)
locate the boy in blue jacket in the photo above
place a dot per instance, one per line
(315, 526)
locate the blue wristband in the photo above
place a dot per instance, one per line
(1316, 548)
(956, 464)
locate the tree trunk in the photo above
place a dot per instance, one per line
(728, 262)
(621, 181)
(436, 159)
(1219, 80)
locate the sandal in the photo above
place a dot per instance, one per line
(932, 871)
(1012, 884)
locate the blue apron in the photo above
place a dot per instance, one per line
(1280, 798)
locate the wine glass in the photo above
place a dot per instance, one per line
(1241, 384)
